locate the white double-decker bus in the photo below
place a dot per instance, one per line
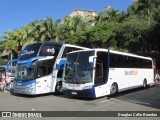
(36, 71)
(100, 72)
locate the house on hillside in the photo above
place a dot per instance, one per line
(88, 14)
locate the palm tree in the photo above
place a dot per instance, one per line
(68, 24)
(50, 28)
(65, 29)
(74, 24)
(10, 45)
(20, 36)
(1, 46)
(27, 32)
(114, 15)
(80, 23)
(7, 35)
(131, 10)
(103, 16)
(97, 19)
(38, 31)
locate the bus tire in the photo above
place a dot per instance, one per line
(114, 89)
(3, 87)
(12, 91)
(145, 83)
(58, 89)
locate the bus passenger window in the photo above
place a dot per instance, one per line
(99, 70)
(69, 49)
(49, 70)
(41, 71)
(101, 67)
(99, 73)
(59, 74)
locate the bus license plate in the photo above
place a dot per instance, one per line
(74, 93)
(19, 91)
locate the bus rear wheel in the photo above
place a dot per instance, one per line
(144, 83)
(59, 89)
(114, 89)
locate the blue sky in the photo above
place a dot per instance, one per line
(17, 13)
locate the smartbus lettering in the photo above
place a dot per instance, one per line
(131, 72)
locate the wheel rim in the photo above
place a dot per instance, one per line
(59, 88)
(113, 89)
(144, 84)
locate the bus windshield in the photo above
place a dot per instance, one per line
(77, 69)
(24, 73)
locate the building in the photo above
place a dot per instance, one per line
(135, 0)
(88, 14)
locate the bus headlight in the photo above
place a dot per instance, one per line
(87, 87)
(30, 90)
(30, 85)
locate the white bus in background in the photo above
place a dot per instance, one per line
(36, 71)
(100, 72)
(11, 68)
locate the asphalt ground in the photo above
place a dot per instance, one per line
(133, 100)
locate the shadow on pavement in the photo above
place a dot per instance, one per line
(31, 96)
(149, 97)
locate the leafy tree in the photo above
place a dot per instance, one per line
(50, 28)
(133, 34)
(103, 16)
(20, 36)
(38, 31)
(101, 35)
(71, 26)
(3, 61)
(10, 45)
(155, 35)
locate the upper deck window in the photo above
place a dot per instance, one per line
(30, 51)
(50, 50)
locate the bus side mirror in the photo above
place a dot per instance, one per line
(60, 63)
(91, 59)
(10, 62)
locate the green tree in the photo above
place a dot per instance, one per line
(103, 16)
(72, 25)
(146, 7)
(50, 29)
(133, 34)
(3, 61)
(109, 15)
(154, 36)
(38, 31)
(10, 45)
(101, 35)
(20, 36)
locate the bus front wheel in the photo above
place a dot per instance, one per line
(58, 89)
(113, 89)
(145, 83)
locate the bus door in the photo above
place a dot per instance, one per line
(43, 80)
(101, 74)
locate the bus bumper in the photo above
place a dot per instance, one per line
(27, 88)
(27, 91)
(88, 93)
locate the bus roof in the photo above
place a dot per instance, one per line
(59, 43)
(130, 54)
(69, 45)
(115, 52)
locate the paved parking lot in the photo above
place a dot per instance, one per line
(133, 100)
